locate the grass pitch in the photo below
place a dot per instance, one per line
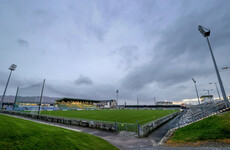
(123, 116)
(17, 133)
(212, 128)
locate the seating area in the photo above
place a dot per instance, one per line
(49, 108)
(31, 108)
(89, 107)
(26, 108)
(76, 106)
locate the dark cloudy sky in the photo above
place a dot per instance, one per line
(91, 48)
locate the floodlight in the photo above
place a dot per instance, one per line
(204, 31)
(13, 67)
(225, 67)
(194, 80)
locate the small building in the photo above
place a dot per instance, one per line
(164, 103)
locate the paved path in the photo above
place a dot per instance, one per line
(160, 132)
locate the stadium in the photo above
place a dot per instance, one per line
(98, 116)
(84, 104)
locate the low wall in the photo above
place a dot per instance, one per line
(143, 130)
(83, 123)
(146, 129)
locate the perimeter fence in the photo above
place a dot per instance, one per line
(197, 112)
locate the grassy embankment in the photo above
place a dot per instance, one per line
(124, 116)
(17, 133)
(214, 128)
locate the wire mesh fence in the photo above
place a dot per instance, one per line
(197, 112)
(129, 127)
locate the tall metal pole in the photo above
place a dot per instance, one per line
(40, 103)
(196, 91)
(217, 91)
(5, 88)
(209, 95)
(15, 98)
(218, 75)
(117, 97)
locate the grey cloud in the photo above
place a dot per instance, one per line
(128, 55)
(83, 80)
(180, 54)
(16, 81)
(99, 91)
(161, 48)
(22, 42)
(96, 31)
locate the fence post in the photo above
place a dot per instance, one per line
(126, 127)
(192, 115)
(115, 126)
(138, 127)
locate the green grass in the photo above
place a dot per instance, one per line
(17, 133)
(211, 128)
(123, 116)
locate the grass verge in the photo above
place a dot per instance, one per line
(17, 133)
(214, 128)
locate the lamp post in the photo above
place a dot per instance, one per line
(117, 91)
(11, 68)
(196, 91)
(206, 32)
(217, 90)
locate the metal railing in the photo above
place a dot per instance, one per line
(197, 112)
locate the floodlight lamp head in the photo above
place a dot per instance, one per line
(12, 67)
(194, 80)
(204, 31)
(225, 67)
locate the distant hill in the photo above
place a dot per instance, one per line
(46, 99)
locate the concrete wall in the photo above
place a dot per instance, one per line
(143, 130)
(83, 123)
(146, 129)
